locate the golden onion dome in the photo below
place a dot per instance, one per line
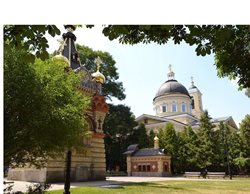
(61, 58)
(98, 76)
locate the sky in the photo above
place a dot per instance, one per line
(143, 68)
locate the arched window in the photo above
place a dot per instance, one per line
(183, 107)
(192, 103)
(174, 106)
(164, 107)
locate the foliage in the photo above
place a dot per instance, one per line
(111, 87)
(168, 140)
(244, 159)
(41, 102)
(215, 149)
(35, 188)
(38, 188)
(205, 135)
(118, 128)
(140, 136)
(29, 37)
(225, 150)
(229, 43)
(242, 162)
(188, 150)
(245, 133)
(247, 92)
(151, 139)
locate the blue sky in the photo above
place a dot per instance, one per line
(143, 68)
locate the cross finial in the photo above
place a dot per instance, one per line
(192, 80)
(170, 67)
(62, 44)
(98, 62)
(170, 73)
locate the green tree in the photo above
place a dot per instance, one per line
(151, 139)
(118, 127)
(29, 38)
(229, 43)
(168, 140)
(205, 134)
(182, 152)
(220, 147)
(236, 152)
(244, 159)
(245, 133)
(224, 148)
(41, 102)
(188, 149)
(140, 136)
(111, 87)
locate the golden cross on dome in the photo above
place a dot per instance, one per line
(98, 62)
(62, 44)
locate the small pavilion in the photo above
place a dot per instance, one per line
(149, 161)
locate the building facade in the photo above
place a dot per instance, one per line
(149, 161)
(89, 164)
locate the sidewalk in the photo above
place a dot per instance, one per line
(22, 185)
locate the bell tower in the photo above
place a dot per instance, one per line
(196, 96)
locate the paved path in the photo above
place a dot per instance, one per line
(22, 185)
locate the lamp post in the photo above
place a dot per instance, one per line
(67, 174)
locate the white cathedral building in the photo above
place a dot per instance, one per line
(175, 104)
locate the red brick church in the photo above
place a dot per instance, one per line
(148, 161)
(90, 164)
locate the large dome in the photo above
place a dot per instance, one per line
(171, 87)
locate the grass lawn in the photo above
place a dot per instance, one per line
(171, 186)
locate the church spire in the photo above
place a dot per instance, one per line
(67, 47)
(170, 73)
(192, 83)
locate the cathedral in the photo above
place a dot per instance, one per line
(89, 164)
(174, 103)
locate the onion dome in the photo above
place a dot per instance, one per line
(98, 76)
(61, 58)
(171, 86)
